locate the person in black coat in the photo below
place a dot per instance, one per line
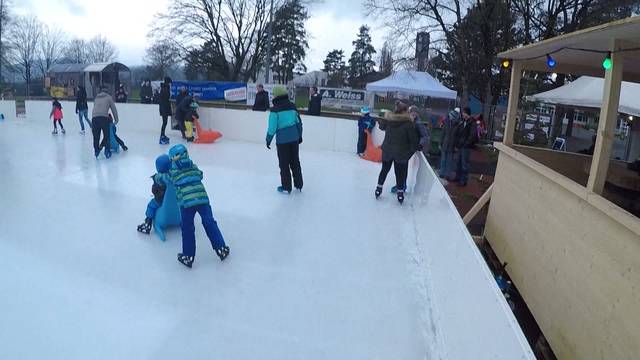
(82, 108)
(401, 141)
(262, 99)
(121, 94)
(315, 101)
(181, 95)
(164, 106)
(146, 92)
(447, 145)
(466, 137)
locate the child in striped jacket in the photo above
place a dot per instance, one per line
(192, 198)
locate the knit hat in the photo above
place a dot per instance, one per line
(279, 91)
(163, 163)
(364, 110)
(194, 105)
(177, 152)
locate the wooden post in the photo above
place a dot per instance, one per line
(484, 199)
(512, 109)
(606, 126)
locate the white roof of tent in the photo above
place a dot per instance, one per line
(587, 91)
(413, 83)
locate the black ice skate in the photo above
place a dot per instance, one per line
(378, 191)
(186, 260)
(223, 252)
(401, 196)
(145, 227)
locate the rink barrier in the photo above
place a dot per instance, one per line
(320, 133)
(472, 320)
(8, 109)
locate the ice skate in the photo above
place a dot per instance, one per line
(401, 196)
(222, 252)
(186, 260)
(145, 227)
(81, 132)
(281, 190)
(163, 140)
(55, 132)
(64, 132)
(378, 191)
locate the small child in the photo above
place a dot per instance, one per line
(56, 114)
(365, 122)
(160, 181)
(192, 198)
(189, 120)
(118, 140)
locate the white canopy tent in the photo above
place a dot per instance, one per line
(586, 91)
(412, 83)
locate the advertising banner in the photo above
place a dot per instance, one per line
(205, 90)
(334, 97)
(237, 94)
(251, 92)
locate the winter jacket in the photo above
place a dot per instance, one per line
(121, 95)
(315, 105)
(145, 94)
(284, 122)
(159, 187)
(366, 122)
(56, 110)
(448, 134)
(187, 179)
(262, 101)
(81, 100)
(101, 105)
(400, 138)
(466, 134)
(423, 134)
(183, 108)
(165, 101)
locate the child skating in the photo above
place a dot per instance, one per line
(365, 122)
(160, 181)
(192, 199)
(56, 114)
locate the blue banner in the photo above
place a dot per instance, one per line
(205, 90)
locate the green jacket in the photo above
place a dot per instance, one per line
(187, 179)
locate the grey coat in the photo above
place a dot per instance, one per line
(101, 105)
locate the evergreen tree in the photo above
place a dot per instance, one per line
(289, 40)
(335, 67)
(361, 62)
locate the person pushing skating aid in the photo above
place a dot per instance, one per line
(193, 198)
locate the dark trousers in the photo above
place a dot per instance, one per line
(289, 162)
(100, 124)
(189, 230)
(401, 169)
(462, 171)
(165, 118)
(362, 141)
(56, 122)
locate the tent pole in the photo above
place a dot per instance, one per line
(512, 109)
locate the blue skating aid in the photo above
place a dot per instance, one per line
(115, 147)
(168, 214)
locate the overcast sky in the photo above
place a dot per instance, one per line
(333, 24)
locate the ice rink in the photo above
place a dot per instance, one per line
(329, 273)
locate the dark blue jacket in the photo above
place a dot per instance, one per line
(366, 122)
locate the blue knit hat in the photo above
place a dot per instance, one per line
(163, 163)
(178, 151)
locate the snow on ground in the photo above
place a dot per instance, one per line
(322, 274)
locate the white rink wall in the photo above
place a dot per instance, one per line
(8, 109)
(470, 318)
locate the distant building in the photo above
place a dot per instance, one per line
(313, 78)
(91, 76)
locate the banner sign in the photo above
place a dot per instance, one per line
(343, 97)
(205, 90)
(237, 94)
(252, 91)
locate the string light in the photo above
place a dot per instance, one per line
(506, 63)
(550, 61)
(607, 63)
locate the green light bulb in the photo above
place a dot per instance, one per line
(606, 64)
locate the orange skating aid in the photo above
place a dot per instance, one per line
(205, 136)
(372, 153)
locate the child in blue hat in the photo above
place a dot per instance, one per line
(365, 122)
(160, 181)
(193, 198)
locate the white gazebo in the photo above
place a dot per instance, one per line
(412, 83)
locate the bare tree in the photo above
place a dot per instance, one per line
(99, 49)
(233, 31)
(443, 17)
(50, 47)
(161, 58)
(4, 20)
(23, 39)
(76, 52)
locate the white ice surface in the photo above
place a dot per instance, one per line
(323, 274)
